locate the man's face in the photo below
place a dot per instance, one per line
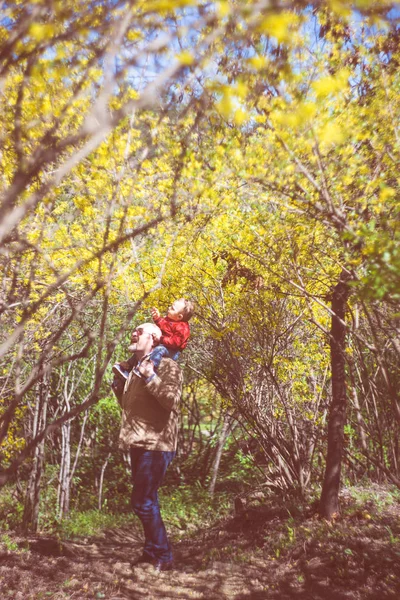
(134, 336)
(142, 340)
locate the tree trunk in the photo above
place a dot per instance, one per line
(225, 431)
(329, 502)
(31, 508)
(65, 468)
(103, 468)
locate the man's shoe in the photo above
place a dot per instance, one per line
(120, 371)
(159, 565)
(143, 558)
(162, 565)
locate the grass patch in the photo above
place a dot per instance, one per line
(374, 499)
(92, 523)
(8, 543)
(188, 508)
(184, 509)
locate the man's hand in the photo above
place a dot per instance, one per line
(146, 368)
(155, 313)
(117, 386)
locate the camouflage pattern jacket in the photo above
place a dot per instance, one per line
(150, 411)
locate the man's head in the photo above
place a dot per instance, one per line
(180, 310)
(144, 338)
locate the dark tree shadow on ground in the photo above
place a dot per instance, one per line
(263, 553)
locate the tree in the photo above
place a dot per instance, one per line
(258, 119)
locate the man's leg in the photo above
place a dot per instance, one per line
(148, 470)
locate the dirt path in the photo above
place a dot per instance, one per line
(257, 556)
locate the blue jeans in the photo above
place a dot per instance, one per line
(160, 352)
(148, 470)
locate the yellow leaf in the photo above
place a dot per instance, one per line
(258, 62)
(306, 111)
(241, 89)
(41, 31)
(223, 9)
(331, 84)
(225, 105)
(385, 193)
(331, 134)
(279, 25)
(340, 8)
(185, 58)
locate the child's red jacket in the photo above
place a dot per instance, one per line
(175, 334)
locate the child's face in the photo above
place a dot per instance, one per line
(175, 311)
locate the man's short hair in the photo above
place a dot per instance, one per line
(152, 329)
(188, 309)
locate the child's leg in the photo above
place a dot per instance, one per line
(174, 354)
(119, 370)
(157, 354)
(128, 364)
(125, 367)
(160, 352)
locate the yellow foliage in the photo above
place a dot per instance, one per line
(331, 84)
(280, 25)
(331, 133)
(41, 31)
(258, 62)
(386, 193)
(253, 191)
(223, 8)
(240, 116)
(225, 105)
(186, 58)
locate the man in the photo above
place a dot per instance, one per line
(149, 431)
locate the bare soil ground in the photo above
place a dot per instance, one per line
(263, 553)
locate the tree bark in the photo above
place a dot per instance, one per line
(225, 431)
(103, 468)
(65, 468)
(31, 508)
(329, 502)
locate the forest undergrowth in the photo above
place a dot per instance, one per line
(264, 546)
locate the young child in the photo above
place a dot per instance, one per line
(175, 335)
(175, 330)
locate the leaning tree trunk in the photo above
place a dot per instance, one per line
(103, 468)
(63, 495)
(225, 431)
(31, 508)
(329, 503)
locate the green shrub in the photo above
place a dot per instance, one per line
(8, 543)
(11, 510)
(191, 507)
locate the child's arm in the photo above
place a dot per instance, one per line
(155, 313)
(165, 325)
